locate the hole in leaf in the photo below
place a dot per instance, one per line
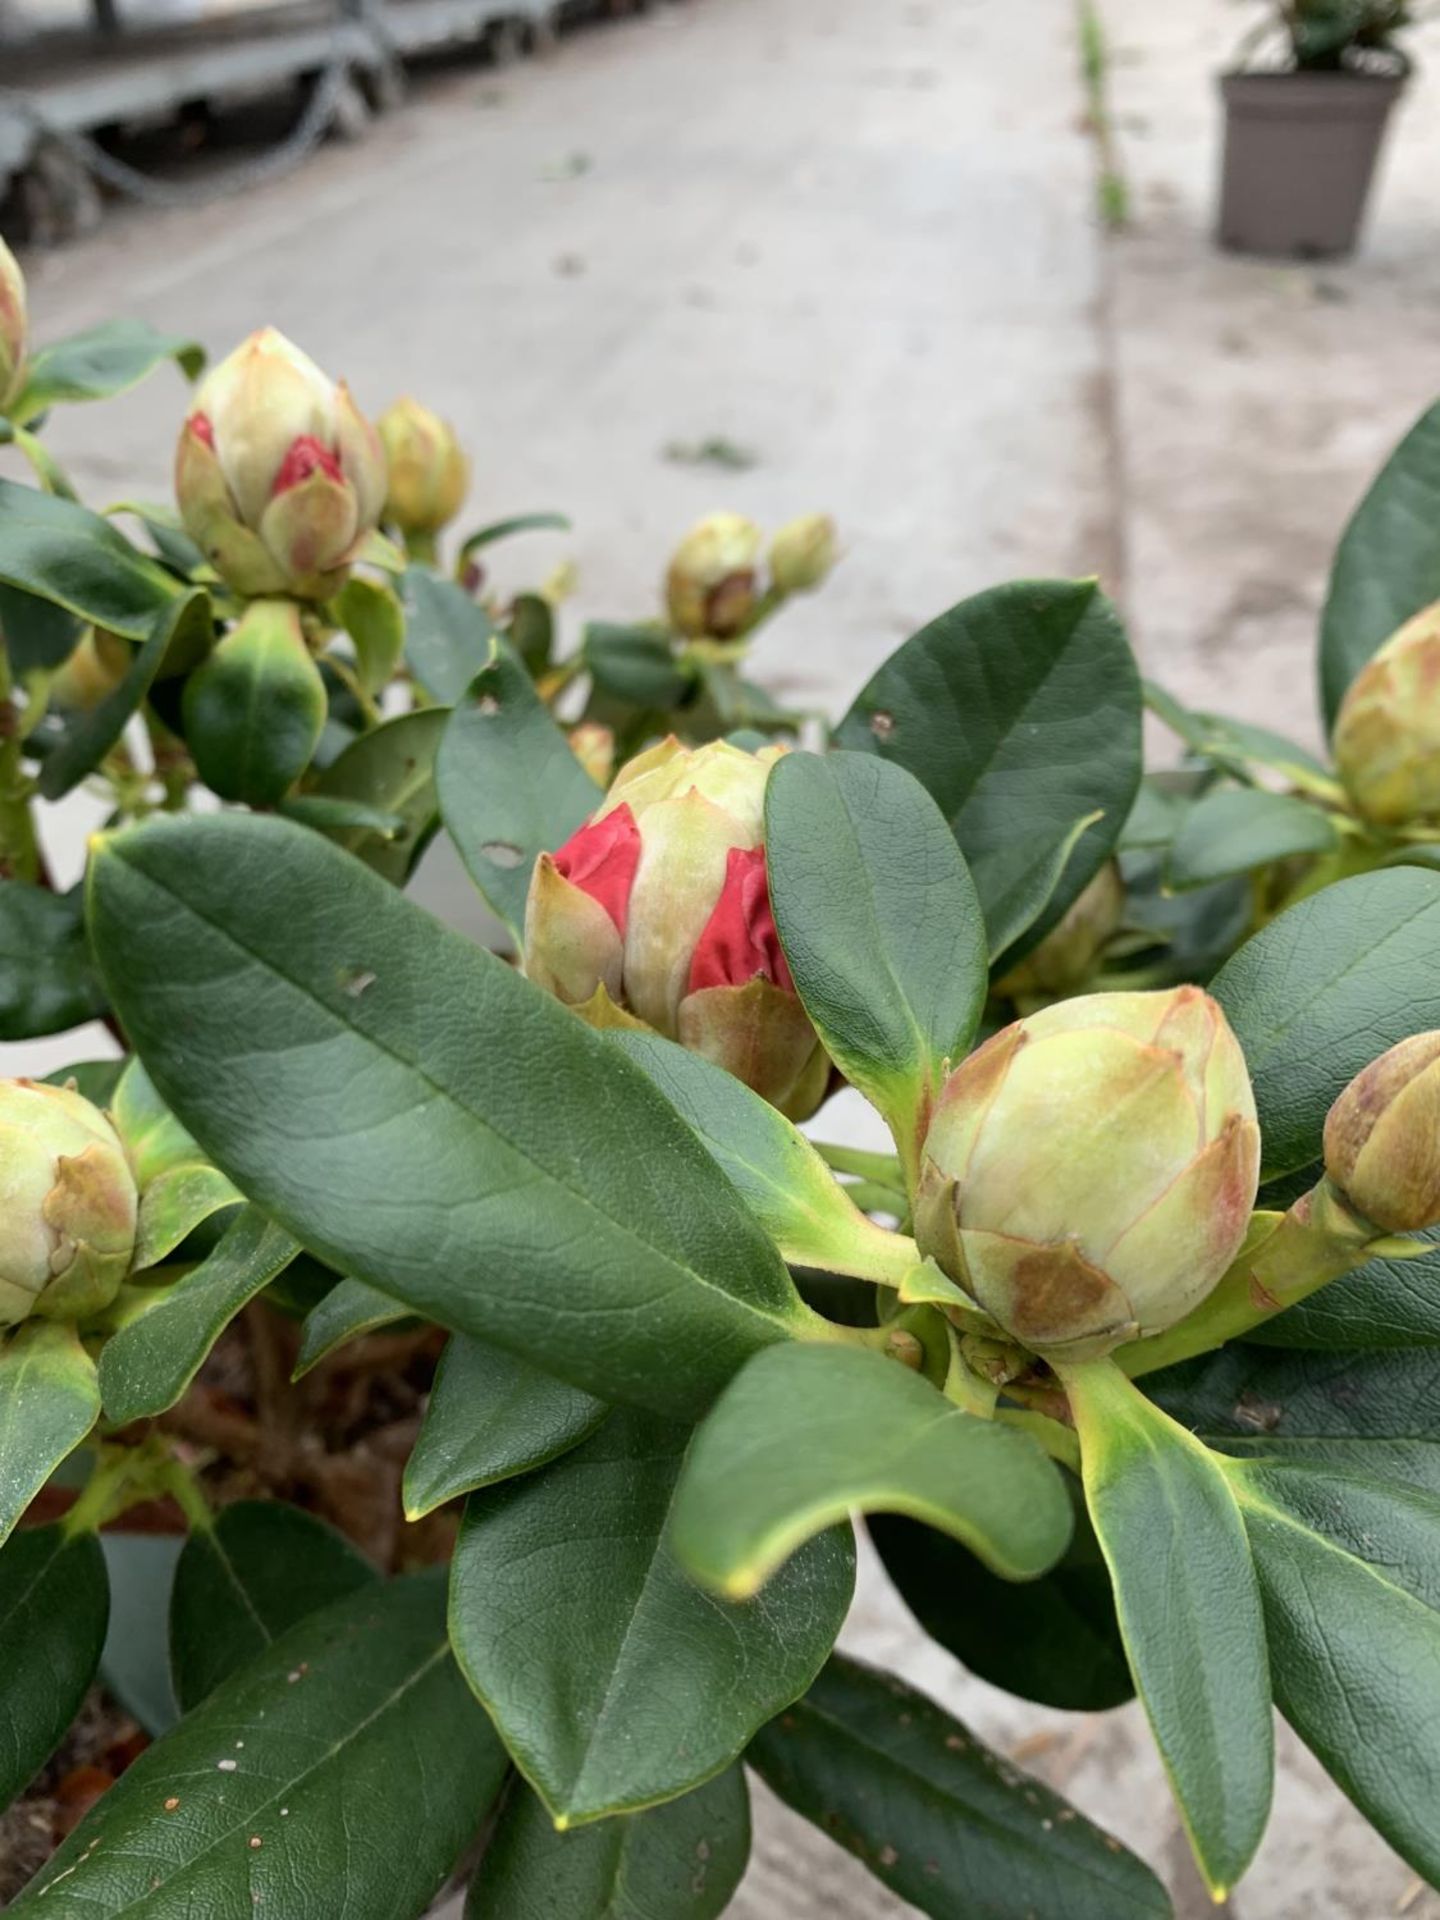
(882, 725)
(488, 705)
(500, 853)
(357, 980)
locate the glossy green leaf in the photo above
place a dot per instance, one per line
(1020, 711)
(347, 1311)
(90, 736)
(448, 635)
(517, 523)
(945, 1823)
(148, 1364)
(1323, 990)
(161, 520)
(298, 1751)
(63, 553)
(807, 1434)
(392, 769)
(155, 1141)
(636, 665)
(96, 1079)
(491, 1416)
(1387, 565)
(49, 1401)
(337, 816)
(1055, 1640)
(781, 1178)
(614, 1682)
(1236, 829)
(38, 636)
(54, 1601)
(531, 631)
(326, 1041)
(263, 1567)
(1236, 745)
(1037, 866)
(254, 709)
(174, 1205)
(100, 362)
(135, 1662)
(1389, 1303)
(880, 925)
(1189, 1610)
(510, 788)
(1376, 1413)
(1350, 1573)
(679, 1861)
(48, 981)
(371, 613)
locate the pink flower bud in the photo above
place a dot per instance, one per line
(658, 911)
(279, 478)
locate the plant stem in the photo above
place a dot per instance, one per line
(19, 848)
(1062, 1443)
(881, 1167)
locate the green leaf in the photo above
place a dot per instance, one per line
(148, 1364)
(1389, 1303)
(95, 1079)
(135, 1664)
(1236, 829)
(371, 613)
(49, 1401)
(38, 636)
(945, 1823)
(1322, 991)
(326, 1041)
(448, 635)
(63, 553)
(614, 1682)
(263, 1567)
(392, 769)
(1055, 1640)
(48, 981)
(1235, 744)
(337, 817)
(491, 1416)
(1037, 867)
(517, 523)
(54, 1602)
(531, 631)
(636, 665)
(778, 1174)
(1020, 711)
(90, 736)
(680, 1861)
(255, 708)
(348, 1310)
(161, 520)
(1387, 566)
(1189, 1609)
(174, 1205)
(510, 788)
(1367, 1413)
(1350, 1574)
(806, 1435)
(299, 1751)
(100, 362)
(880, 925)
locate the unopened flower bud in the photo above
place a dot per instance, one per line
(711, 588)
(1066, 957)
(67, 1205)
(1089, 1173)
(1387, 733)
(280, 479)
(427, 472)
(594, 747)
(1382, 1137)
(658, 911)
(802, 554)
(13, 327)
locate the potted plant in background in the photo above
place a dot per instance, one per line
(1302, 139)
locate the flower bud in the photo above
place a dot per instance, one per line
(280, 479)
(1382, 1137)
(1387, 733)
(711, 587)
(658, 912)
(594, 747)
(803, 553)
(13, 327)
(1089, 1173)
(1066, 957)
(94, 669)
(427, 472)
(67, 1205)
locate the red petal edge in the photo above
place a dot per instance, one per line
(601, 860)
(740, 942)
(306, 456)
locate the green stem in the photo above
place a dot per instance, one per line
(1286, 1258)
(19, 847)
(423, 548)
(871, 1197)
(1062, 1443)
(882, 1167)
(126, 1477)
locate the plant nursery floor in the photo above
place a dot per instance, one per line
(853, 249)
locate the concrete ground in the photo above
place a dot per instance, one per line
(860, 242)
